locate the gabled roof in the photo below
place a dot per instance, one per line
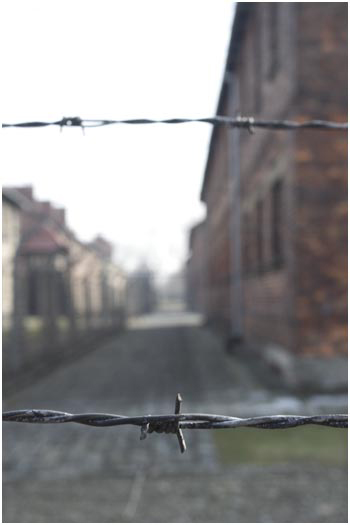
(43, 241)
(42, 212)
(13, 197)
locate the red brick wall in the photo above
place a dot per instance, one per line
(218, 235)
(321, 180)
(268, 288)
(197, 269)
(301, 304)
(267, 156)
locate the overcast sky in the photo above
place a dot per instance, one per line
(137, 185)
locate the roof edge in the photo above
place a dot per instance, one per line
(241, 13)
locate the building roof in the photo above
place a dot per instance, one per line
(103, 247)
(42, 212)
(43, 241)
(12, 197)
(44, 230)
(241, 14)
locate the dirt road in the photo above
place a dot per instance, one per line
(73, 473)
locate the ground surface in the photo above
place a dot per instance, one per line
(74, 473)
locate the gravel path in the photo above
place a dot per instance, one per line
(73, 473)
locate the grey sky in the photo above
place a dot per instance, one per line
(138, 186)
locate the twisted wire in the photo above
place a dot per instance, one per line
(175, 423)
(248, 123)
(160, 423)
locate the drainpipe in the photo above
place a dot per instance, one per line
(236, 299)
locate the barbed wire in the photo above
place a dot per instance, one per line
(248, 123)
(175, 423)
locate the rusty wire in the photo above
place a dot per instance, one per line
(248, 123)
(175, 423)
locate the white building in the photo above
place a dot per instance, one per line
(10, 241)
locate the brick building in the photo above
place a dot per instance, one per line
(56, 288)
(196, 269)
(11, 220)
(276, 200)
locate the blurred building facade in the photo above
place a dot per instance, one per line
(141, 292)
(275, 231)
(171, 292)
(56, 288)
(196, 269)
(11, 221)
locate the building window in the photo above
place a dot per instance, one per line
(273, 30)
(259, 237)
(276, 224)
(35, 284)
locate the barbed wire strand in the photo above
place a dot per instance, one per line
(248, 123)
(175, 423)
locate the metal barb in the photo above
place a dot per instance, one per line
(144, 431)
(70, 122)
(243, 122)
(179, 434)
(250, 125)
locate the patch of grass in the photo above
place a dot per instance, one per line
(63, 324)
(33, 324)
(312, 443)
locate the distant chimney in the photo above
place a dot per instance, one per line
(102, 247)
(45, 207)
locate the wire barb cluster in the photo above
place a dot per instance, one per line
(248, 123)
(174, 423)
